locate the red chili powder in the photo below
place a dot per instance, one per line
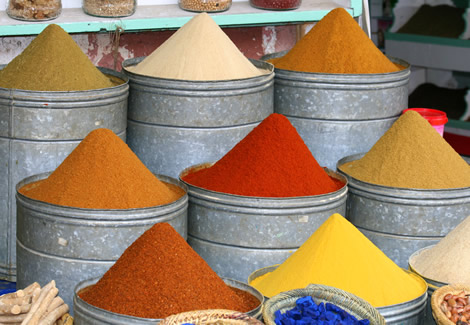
(160, 275)
(271, 161)
(102, 172)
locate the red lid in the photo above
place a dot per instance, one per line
(434, 116)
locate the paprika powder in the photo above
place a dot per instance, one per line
(271, 161)
(159, 275)
(336, 44)
(102, 172)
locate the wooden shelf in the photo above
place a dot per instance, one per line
(170, 16)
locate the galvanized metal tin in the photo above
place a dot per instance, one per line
(400, 221)
(408, 313)
(338, 115)
(38, 130)
(330, 140)
(239, 234)
(334, 96)
(203, 119)
(261, 271)
(86, 314)
(433, 285)
(68, 244)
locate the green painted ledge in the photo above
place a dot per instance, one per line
(427, 39)
(163, 17)
(458, 124)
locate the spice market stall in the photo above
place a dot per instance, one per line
(262, 205)
(407, 194)
(75, 222)
(148, 16)
(338, 89)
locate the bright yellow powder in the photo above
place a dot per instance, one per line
(339, 255)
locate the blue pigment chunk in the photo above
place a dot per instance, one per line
(307, 312)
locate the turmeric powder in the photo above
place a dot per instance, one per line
(339, 255)
(336, 44)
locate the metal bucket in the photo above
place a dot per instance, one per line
(340, 114)
(88, 314)
(330, 140)
(260, 272)
(202, 119)
(433, 285)
(408, 313)
(38, 130)
(68, 244)
(400, 221)
(237, 234)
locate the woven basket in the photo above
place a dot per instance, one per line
(354, 305)
(210, 317)
(438, 296)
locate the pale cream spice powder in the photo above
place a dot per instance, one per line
(199, 50)
(448, 261)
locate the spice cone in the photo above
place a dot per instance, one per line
(199, 50)
(103, 173)
(336, 44)
(53, 62)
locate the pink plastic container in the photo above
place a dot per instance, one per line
(437, 118)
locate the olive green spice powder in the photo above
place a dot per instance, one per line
(53, 62)
(411, 154)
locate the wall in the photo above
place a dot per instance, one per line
(111, 49)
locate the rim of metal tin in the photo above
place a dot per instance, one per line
(407, 306)
(432, 284)
(196, 84)
(122, 318)
(292, 201)
(91, 92)
(262, 271)
(466, 158)
(267, 269)
(399, 192)
(102, 215)
(352, 78)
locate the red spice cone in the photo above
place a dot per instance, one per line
(271, 161)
